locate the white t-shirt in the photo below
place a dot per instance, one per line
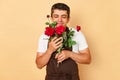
(81, 43)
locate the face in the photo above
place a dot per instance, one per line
(60, 16)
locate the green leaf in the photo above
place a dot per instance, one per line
(71, 33)
(53, 24)
(73, 42)
(69, 44)
(65, 44)
(64, 35)
(47, 23)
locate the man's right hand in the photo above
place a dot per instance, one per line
(55, 43)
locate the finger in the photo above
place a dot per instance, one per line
(57, 46)
(59, 61)
(58, 43)
(60, 57)
(56, 56)
(58, 39)
(54, 38)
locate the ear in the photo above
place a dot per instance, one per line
(68, 19)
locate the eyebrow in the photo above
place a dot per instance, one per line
(64, 15)
(61, 15)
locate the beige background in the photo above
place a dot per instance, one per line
(22, 22)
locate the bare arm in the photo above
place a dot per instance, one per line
(83, 57)
(43, 58)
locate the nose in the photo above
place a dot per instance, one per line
(59, 19)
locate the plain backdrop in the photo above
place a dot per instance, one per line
(23, 21)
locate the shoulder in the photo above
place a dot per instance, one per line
(43, 37)
(42, 43)
(76, 33)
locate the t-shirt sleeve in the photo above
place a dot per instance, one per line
(82, 41)
(42, 43)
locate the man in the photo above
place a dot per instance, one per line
(67, 59)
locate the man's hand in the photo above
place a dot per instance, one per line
(55, 43)
(65, 54)
(82, 56)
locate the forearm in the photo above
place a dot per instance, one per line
(81, 58)
(42, 60)
(53, 45)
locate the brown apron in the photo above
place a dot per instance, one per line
(67, 70)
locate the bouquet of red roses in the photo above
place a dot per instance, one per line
(60, 31)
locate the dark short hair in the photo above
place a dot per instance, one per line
(60, 6)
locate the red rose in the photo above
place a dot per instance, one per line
(78, 28)
(59, 29)
(49, 31)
